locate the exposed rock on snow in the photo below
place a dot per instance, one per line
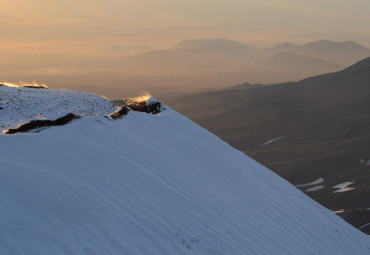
(318, 181)
(144, 103)
(121, 111)
(36, 124)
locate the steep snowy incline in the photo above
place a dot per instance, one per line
(153, 184)
(21, 105)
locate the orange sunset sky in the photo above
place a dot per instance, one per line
(48, 40)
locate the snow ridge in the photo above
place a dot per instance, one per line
(21, 105)
(153, 184)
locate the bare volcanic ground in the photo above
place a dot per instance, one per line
(304, 131)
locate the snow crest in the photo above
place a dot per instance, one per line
(21, 105)
(152, 184)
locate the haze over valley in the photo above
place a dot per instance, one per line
(188, 66)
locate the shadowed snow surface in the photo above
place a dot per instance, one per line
(153, 184)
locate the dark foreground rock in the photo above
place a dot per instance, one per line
(34, 124)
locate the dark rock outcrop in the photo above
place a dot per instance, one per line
(119, 113)
(33, 124)
(150, 105)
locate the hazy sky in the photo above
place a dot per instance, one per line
(82, 44)
(82, 23)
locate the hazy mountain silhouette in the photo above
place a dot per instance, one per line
(291, 60)
(339, 53)
(199, 62)
(213, 44)
(279, 48)
(196, 52)
(287, 46)
(191, 66)
(343, 53)
(335, 47)
(215, 61)
(315, 128)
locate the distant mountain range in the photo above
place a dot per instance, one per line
(213, 62)
(213, 44)
(339, 53)
(186, 67)
(315, 128)
(291, 60)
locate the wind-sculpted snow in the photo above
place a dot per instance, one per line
(22, 105)
(153, 184)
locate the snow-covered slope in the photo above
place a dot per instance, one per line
(153, 184)
(20, 105)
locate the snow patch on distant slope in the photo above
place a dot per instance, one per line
(343, 187)
(364, 226)
(272, 140)
(338, 211)
(318, 181)
(364, 162)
